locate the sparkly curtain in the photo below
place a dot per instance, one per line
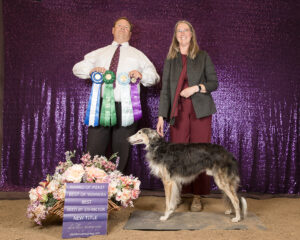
(253, 44)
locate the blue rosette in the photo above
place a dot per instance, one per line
(97, 77)
(93, 109)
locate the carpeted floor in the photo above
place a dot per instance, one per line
(149, 220)
(280, 216)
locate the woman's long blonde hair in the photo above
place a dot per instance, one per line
(174, 48)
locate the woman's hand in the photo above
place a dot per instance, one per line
(187, 92)
(160, 126)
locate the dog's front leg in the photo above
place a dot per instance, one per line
(167, 197)
(177, 193)
(171, 192)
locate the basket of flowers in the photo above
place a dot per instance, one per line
(47, 199)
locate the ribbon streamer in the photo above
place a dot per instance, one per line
(126, 106)
(108, 115)
(93, 109)
(135, 99)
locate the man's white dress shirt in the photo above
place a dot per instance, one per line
(130, 59)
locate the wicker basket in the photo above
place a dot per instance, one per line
(57, 211)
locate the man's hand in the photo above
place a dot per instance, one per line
(135, 74)
(98, 69)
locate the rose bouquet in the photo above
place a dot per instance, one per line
(122, 190)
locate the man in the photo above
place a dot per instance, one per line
(131, 61)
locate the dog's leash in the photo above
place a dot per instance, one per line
(167, 128)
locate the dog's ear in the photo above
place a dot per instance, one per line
(152, 134)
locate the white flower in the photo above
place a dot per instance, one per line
(40, 191)
(74, 174)
(58, 177)
(33, 195)
(126, 194)
(95, 173)
(60, 193)
(52, 186)
(112, 188)
(39, 210)
(115, 174)
(118, 195)
(137, 184)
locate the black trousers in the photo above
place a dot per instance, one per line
(100, 137)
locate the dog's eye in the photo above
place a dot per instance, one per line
(139, 132)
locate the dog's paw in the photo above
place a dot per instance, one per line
(235, 220)
(163, 218)
(228, 212)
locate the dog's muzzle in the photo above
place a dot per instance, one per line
(134, 141)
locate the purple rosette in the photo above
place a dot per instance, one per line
(135, 99)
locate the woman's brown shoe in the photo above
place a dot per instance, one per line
(196, 205)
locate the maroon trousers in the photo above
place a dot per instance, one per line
(189, 129)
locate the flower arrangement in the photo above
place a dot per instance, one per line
(122, 190)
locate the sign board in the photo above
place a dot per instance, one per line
(85, 210)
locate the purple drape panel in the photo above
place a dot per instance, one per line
(254, 46)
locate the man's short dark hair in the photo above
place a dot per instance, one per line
(126, 19)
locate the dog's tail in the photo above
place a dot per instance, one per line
(243, 206)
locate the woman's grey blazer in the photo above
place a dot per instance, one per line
(199, 70)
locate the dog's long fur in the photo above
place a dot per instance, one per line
(176, 164)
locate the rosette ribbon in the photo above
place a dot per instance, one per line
(135, 99)
(108, 115)
(126, 106)
(93, 109)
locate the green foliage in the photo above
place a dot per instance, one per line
(51, 200)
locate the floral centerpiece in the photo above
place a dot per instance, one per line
(122, 190)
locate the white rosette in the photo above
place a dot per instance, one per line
(126, 105)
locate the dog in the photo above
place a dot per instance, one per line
(179, 163)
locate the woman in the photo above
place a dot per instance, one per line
(188, 79)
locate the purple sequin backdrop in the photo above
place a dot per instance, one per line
(253, 45)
